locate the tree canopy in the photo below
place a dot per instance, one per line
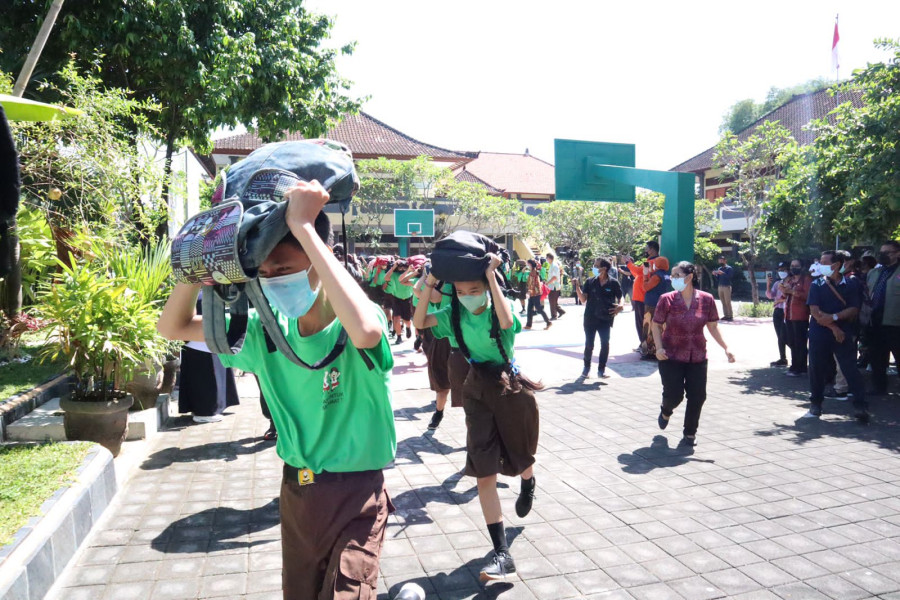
(744, 113)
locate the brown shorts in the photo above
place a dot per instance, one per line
(376, 294)
(457, 371)
(437, 351)
(401, 308)
(502, 426)
(331, 535)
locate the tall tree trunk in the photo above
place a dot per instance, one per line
(750, 265)
(162, 229)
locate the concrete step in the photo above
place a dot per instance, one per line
(46, 422)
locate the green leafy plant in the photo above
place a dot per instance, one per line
(38, 251)
(105, 330)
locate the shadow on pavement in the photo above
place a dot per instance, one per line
(463, 580)
(227, 451)
(657, 455)
(218, 529)
(771, 381)
(579, 385)
(410, 448)
(885, 410)
(411, 504)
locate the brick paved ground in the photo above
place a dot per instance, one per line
(764, 507)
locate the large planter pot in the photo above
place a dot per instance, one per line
(145, 385)
(104, 422)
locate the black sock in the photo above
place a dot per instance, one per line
(498, 537)
(528, 484)
(439, 411)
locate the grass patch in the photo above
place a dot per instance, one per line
(19, 377)
(748, 309)
(29, 475)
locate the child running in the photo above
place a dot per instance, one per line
(501, 411)
(335, 421)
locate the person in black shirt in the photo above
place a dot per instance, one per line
(602, 297)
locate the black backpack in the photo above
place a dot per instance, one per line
(462, 256)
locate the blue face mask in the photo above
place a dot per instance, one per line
(291, 295)
(679, 283)
(473, 303)
(596, 271)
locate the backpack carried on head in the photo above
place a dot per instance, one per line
(224, 246)
(462, 256)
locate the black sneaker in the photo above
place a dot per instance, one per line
(526, 497)
(408, 333)
(662, 421)
(687, 442)
(418, 343)
(862, 417)
(778, 363)
(501, 566)
(436, 419)
(399, 340)
(585, 374)
(836, 395)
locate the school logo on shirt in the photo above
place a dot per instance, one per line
(330, 385)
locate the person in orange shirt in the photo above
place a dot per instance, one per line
(637, 298)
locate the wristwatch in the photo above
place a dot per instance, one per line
(834, 317)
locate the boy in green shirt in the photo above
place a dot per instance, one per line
(335, 423)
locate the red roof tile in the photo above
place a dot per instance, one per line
(462, 174)
(366, 136)
(513, 173)
(794, 115)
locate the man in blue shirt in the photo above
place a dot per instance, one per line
(723, 279)
(834, 302)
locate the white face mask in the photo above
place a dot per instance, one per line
(291, 295)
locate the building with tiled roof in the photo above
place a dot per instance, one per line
(519, 176)
(366, 136)
(795, 115)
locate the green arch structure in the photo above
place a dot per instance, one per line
(604, 172)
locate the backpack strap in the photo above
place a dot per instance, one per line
(213, 305)
(835, 292)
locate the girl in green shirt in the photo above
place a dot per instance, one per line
(501, 411)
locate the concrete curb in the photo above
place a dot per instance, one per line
(43, 547)
(16, 407)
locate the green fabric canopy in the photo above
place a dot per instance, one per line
(20, 109)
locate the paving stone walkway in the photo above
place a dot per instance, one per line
(765, 506)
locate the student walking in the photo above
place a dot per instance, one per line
(335, 421)
(535, 298)
(602, 297)
(681, 348)
(554, 282)
(501, 411)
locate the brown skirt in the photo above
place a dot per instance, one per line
(458, 370)
(437, 351)
(502, 426)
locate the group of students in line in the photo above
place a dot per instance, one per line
(335, 421)
(836, 316)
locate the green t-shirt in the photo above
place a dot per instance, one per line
(397, 289)
(476, 331)
(336, 419)
(545, 268)
(446, 298)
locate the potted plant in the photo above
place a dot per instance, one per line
(106, 332)
(148, 273)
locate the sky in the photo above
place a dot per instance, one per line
(503, 76)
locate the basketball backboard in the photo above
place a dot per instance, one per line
(575, 176)
(413, 222)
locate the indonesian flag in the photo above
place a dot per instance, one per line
(835, 63)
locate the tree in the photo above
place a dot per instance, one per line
(386, 184)
(846, 184)
(480, 211)
(744, 113)
(753, 166)
(210, 64)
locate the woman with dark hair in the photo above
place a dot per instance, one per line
(681, 347)
(773, 293)
(602, 297)
(796, 316)
(501, 411)
(535, 302)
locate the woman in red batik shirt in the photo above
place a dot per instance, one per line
(681, 348)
